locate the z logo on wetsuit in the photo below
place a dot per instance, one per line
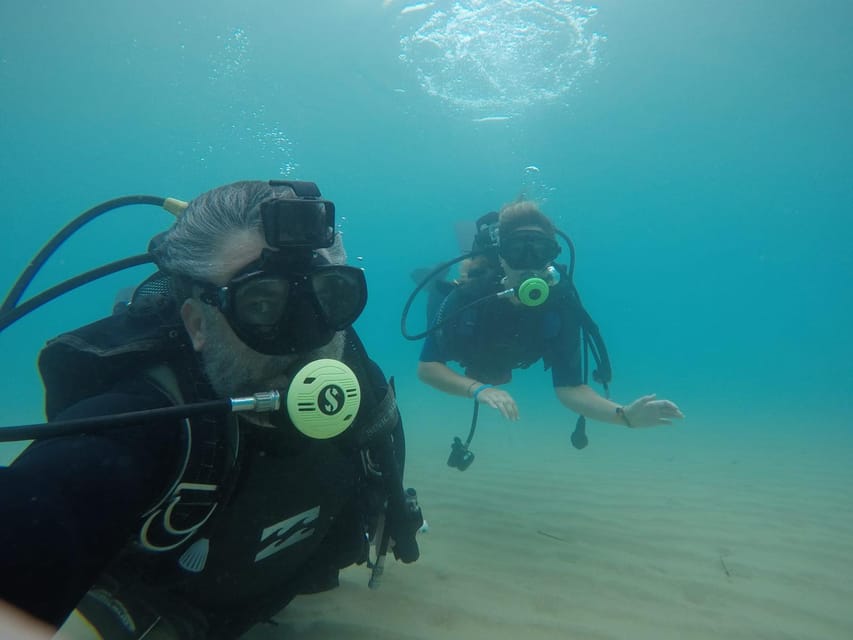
(288, 532)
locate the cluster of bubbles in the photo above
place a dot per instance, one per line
(247, 122)
(487, 55)
(232, 58)
(533, 185)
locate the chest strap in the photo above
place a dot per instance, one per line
(210, 451)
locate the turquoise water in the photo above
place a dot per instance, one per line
(698, 154)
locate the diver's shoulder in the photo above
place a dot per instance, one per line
(132, 393)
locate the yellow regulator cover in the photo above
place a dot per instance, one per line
(323, 398)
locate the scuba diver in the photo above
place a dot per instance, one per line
(220, 444)
(511, 307)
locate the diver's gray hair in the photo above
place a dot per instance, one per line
(188, 249)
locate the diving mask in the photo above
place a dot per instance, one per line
(528, 249)
(276, 310)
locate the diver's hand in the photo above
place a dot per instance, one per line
(648, 412)
(500, 400)
(15, 623)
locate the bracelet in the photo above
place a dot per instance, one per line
(479, 389)
(621, 413)
(471, 386)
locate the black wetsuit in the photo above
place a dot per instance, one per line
(72, 505)
(493, 337)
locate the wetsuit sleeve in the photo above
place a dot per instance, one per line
(432, 350)
(69, 504)
(565, 357)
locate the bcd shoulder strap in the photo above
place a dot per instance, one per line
(205, 479)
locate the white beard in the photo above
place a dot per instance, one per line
(233, 369)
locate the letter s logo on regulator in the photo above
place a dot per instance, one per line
(323, 398)
(331, 399)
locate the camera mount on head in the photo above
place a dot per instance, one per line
(306, 222)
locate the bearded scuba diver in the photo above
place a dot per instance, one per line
(220, 444)
(512, 305)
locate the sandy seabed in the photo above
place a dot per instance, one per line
(650, 534)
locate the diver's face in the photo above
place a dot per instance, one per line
(514, 277)
(532, 247)
(233, 367)
(528, 249)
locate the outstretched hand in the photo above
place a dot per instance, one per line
(500, 400)
(648, 412)
(18, 624)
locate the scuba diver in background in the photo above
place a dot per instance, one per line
(511, 307)
(154, 503)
